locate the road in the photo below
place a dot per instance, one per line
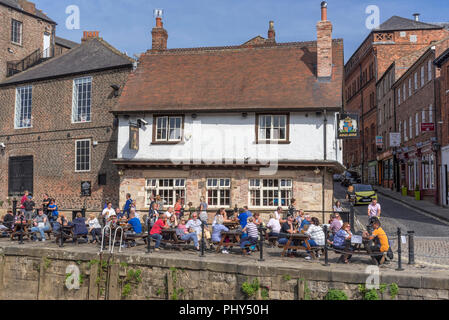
(431, 235)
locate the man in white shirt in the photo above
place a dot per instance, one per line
(278, 215)
(108, 211)
(374, 209)
(169, 212)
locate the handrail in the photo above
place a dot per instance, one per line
(102, 237)
(29, 61)
(121, 239)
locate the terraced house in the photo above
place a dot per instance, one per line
(250, 124)
(56, 126)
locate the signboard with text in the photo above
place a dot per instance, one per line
(86, 189)
(395, 139)
(133, 137)
(427, 127)
(379, 141)
(348, 126)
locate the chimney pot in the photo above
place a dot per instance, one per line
(158, 22)
(323, 11)
(416, 15)
(271, 32)
(87, 35)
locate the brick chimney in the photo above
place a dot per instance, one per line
(159, 35)
(27, 6)
(88, 35)
(324, 44)
(271, 32)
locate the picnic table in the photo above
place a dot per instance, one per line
(233, 236)
(19, 228)
(300, 238)
(359, 248)
(169, 236)
(231, 225)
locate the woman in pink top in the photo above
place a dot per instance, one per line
(24, 198)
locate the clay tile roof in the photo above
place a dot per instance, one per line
(247, 77)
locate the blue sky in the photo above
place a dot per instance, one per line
(127, 24)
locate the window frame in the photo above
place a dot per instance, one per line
(157, 190)
(259, 188)
(20, 34)
(19, 109)
(219, 187)
(167, 140)
(75, 100)
(274, 141)
(76, 155)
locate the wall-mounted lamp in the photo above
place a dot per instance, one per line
(121, 172)
(244, 114)
(95, 143)
(317, 171)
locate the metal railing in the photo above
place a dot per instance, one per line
(29, 61)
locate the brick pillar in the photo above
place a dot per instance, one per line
(324, 44)
(159, 35)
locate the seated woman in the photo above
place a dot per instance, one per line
(94, 228)
(219, 213)
(257, 219)
(172, 221)
(8, 222)
(251, 240)
(342, 241)
(316, 234)
(79, 226)
(187, 235)
(217, 229)
(335, 224)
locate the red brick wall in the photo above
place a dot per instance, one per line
(444, 98)
(33, 30)
(54, 150)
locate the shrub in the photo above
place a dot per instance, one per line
(250, 289)
(334, 294)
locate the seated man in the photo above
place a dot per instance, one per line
(217, 229)
(136, 226)
(41, 224)
(8, 222)
(381, 242)
(186, 235)
(274, 226)
(52, 210)
(80, 228)
(253, 235)
(195, 225)
(156, 230)
(306, 221)
(287, 229)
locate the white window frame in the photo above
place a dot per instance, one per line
(257, 186)
(272, 128)
(429, 71)
(152, 186)
(411, 127)
(409, 87)
(423, 118)
(422, 76)
(76, 155)
(168, 128)
(14, 24)
(405, 92)
(87, 117)
(430, 114)
(416, 80)
(405, 131)
(218, 185)
(24, 108)
(416, 124)
(399, 96)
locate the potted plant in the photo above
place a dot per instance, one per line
(404, 191)
(417, 193)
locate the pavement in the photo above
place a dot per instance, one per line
(431, 241)
(422, 205)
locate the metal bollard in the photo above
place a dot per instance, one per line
(399, 251)
(411, 247)
(351, 218)
(261, 235)
(326, 253)
(149, 237)
(202, 240)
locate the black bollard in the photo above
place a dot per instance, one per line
(411, 247)
(61, 240)
(351, 218)
(399, 251)
(21, 230)
(202, 240)
(261, 235)
(326, 253)
(14, 207)
(149, 237)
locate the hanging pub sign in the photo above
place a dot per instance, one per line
(348, 126)
(379, 141)
(133, 137)
(395, 139)
(86, 189)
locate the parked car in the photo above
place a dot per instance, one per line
(349, 178)
(362, 194)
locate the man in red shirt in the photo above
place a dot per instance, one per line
(156, 231)
(24, 198)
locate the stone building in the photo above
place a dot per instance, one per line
(395, 38)
(442, 63)
(251, 124)
(56, 128)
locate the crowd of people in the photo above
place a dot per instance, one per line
(192, 222)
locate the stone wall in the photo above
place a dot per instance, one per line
(31, 273)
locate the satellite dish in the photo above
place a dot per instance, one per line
(158, 13)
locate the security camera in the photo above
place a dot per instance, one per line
(142, 121)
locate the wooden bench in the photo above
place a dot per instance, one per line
(358, 250)
(170, 237)
(297, 237)
(234, 239)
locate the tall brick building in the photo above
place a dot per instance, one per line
(442, 63)
(212, 122)
(56, 125)
(395, 38)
